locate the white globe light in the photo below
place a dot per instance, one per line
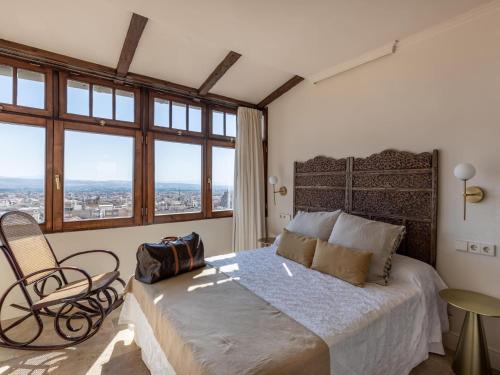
(273, 180)
(464, 171)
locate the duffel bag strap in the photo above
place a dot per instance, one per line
(190, 253)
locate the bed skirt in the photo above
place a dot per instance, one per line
(151, 352)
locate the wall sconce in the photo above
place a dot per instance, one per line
(471, 194)
(273, 180)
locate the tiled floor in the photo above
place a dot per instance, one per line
(112, 351)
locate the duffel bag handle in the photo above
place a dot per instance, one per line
(169, 238)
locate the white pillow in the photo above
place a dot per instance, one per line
(381, 239)
(314, 224)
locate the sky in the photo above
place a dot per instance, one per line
(99, 157)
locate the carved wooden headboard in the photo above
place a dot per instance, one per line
(393, 186)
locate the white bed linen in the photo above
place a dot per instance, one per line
(371, 330)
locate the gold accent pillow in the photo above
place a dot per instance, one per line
(297, 247)
(346, 264)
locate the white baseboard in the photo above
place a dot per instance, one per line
(451, 340)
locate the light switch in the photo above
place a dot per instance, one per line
(285, 216)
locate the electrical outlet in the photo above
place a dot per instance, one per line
(461, 245)
(474, 247)
(487, 249)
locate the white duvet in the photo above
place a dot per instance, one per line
(371, 330)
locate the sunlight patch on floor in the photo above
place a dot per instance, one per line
(125, 335)
(158, 299)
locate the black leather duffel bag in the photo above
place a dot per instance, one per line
(170, 257)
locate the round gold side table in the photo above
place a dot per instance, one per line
(471, 356)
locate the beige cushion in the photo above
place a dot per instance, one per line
(381, 239)
(297, 247)
(347, 264)
(314, 224)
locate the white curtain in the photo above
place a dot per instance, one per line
(249, 207)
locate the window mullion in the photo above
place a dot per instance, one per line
(14, 86)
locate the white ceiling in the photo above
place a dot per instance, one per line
(186, 39)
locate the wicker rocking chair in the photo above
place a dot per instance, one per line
(77, 308)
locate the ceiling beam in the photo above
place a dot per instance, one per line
(217, 74)
(134, 33)
(288, 85)
(71, 64)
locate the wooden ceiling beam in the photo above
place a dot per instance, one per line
(63, 62)
(134, 33)
(219, 71)
(288, 85)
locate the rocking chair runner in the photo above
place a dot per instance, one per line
(86, 301)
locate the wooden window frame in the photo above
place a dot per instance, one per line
(211, 213)
(177, 217)
(91, 81)
(48, 126)
(181, 100)
(224, 110)
(58, 203)
(16, 64)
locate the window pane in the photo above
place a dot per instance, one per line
(178, 116)
(30, 89)
(162, 112)
(222, 178)
(177, 177)
(124, 101)
(78, 98)
(22, 181)
(230, 125)
(194, 119)
(98, 175)
(6, 82)
(102, 102)
(217, 123)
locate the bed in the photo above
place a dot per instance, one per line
(256, 312)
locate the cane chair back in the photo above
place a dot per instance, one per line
(26, 244)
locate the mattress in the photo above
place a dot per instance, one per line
(371, 330)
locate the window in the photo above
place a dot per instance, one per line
(30, 89)
(124, 105)
(22, 181)
(223, 123)
(6, 84)
(78, 98)
(222, 178)
(98, 175)
(102, 102)
(172, 114)
(89, 99)
(178, 174)
(81, 166)
(25, 88)
(162, 113)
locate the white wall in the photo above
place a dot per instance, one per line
(441, 93)
(215, 233)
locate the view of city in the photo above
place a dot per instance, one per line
(90, 200)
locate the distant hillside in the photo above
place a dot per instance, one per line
(8, 184)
